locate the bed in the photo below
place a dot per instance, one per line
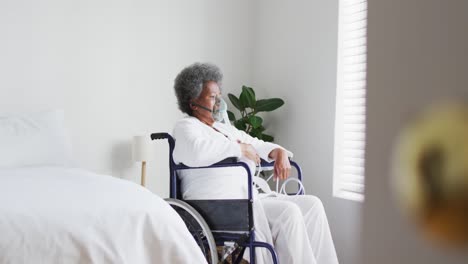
(61, 214)
(66, 215)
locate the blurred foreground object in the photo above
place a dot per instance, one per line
(431, 172)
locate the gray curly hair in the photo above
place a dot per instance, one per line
(189, 83)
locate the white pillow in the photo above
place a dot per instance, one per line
(34, 140)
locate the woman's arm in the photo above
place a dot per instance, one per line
(270, 152)
(282, 165)
(263, 148)
(194, 148)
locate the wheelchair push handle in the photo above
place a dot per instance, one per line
(160, 136)
(164, 135)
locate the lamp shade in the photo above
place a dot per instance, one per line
(141, 148)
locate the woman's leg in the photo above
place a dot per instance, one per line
(318, 229)
(262, 233)
(289, 231)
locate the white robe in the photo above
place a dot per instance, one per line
(295, 225)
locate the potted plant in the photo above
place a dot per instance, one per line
(249, 107)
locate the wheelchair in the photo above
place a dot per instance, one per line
(213, 223)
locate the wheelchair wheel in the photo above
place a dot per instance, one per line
(197, 227)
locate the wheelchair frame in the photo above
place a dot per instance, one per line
(224, 226)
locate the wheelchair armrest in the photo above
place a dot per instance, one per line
(233, 162)
(265, 163)
(228, 162)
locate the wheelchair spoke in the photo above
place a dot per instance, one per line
(198, 228)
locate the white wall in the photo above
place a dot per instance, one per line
(295, 59)
(111, 65)
(417, 56)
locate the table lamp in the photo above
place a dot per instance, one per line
(141, 152)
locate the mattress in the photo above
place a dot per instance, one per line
(69, 215)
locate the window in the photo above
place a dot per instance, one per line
(348, 178)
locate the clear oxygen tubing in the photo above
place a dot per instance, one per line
(261, 184)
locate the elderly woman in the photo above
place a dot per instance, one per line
(296, 225)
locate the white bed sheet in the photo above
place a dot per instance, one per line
(66, 215)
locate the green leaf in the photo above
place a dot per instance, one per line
(259, 129)
(257, 132)
(231, 116)
(240, 124)
(258, 135)
(255, 121)
(267, 138)
(253, 133)
(251, 90)
(247, 97)
(236, 102)
(267, 105)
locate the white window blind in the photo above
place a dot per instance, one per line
(348, 178)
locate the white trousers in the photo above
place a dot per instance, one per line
(297, 227)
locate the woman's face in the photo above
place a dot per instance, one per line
(209, 98)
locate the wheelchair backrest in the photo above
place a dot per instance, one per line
(174, 191)
(221, 215)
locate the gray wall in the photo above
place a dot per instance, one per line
(295, 59)
(417, 56)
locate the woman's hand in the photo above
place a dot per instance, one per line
(249, 152)
(282, 166)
